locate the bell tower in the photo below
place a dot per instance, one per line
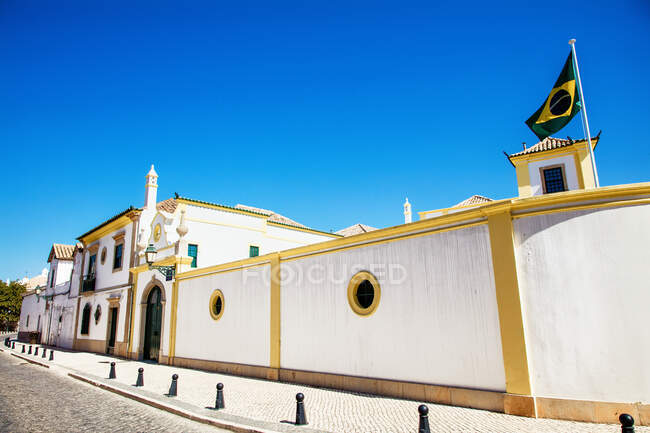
(151, 189)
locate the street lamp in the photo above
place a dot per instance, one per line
(150, 257)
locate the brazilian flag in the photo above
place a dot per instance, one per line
(560, 106)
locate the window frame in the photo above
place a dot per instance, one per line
(217, 294)
(195, 258)
(353, 287)
(119, 240)
(543, 177)
(85, 320)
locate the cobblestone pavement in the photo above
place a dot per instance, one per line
(33, 399)
(327, 410)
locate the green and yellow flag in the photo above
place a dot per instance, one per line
(561, 105)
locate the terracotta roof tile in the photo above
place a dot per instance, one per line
(355, 230)
(273, 216)
(475, 199)
(550, 143)
(168, 205)
(61, 252)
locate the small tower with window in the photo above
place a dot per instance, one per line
(554, 165)
(151, 189)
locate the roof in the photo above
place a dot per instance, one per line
(61, 252)
(473, 200)
(110, 220)
(551, 143)
(355, 230)
(168, 205)
(273, 216)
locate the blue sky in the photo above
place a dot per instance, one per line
(328, 112)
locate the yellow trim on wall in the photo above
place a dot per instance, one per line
(173, 321)
(353, 288)
(221, 208)
(217, 294)
(513, 341)
(134, 289)
(302, 229)
(119, 223)
(275, 329)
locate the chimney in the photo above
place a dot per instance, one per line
(151, 189)
(407, 212)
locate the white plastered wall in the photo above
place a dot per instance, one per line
(32, 307)
(241, 335)
(569, 172)
(437, 321)
(585, 283)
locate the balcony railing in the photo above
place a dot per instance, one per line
(88, 283)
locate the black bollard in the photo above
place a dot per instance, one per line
(29, 351)
(44, 352)
(219, 402)
(51, 355)
(301, 417)
(627, 423)
(140, 381)
(36, 351)
(23, 349)
(173, 387)
(424, 419)
(111, 374)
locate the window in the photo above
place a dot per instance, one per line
(117, 260)
(364, 293)
(217, 305)
(38, 323)
(253, 251)
(27, 324)
(91, 264)
(553, 179)
(102, 257)
(85, 320)
(193, 251)
(52, 279)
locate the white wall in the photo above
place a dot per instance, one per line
(105, 277)
(569, 172)
(242, 333)
(99, 330)
(585, 283)
(32, 306)
(436, 323)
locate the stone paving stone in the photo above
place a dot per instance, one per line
(32, 399)
(327, 410)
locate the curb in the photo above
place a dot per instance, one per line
(239, 428)
(30, 360)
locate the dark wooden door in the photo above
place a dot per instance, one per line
(152, 325)
(113, 329)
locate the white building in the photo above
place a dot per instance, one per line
(187, 234)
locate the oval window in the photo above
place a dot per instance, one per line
(364, 293)
(217, 304)
(103, 255)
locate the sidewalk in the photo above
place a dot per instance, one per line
(264, 405)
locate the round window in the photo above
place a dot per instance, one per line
(103, 256)
(217, 304)
(364, 293)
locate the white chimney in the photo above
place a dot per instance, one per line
(408, 217)
(151, 189)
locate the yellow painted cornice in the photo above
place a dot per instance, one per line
(221, 208)
(104, 230)
(302, 229)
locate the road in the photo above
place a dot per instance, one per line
(33, 399)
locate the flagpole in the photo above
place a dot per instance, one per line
(584, 113)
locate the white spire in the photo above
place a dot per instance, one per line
(151, 189)
(408, 217)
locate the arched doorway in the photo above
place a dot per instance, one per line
(152, 325)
